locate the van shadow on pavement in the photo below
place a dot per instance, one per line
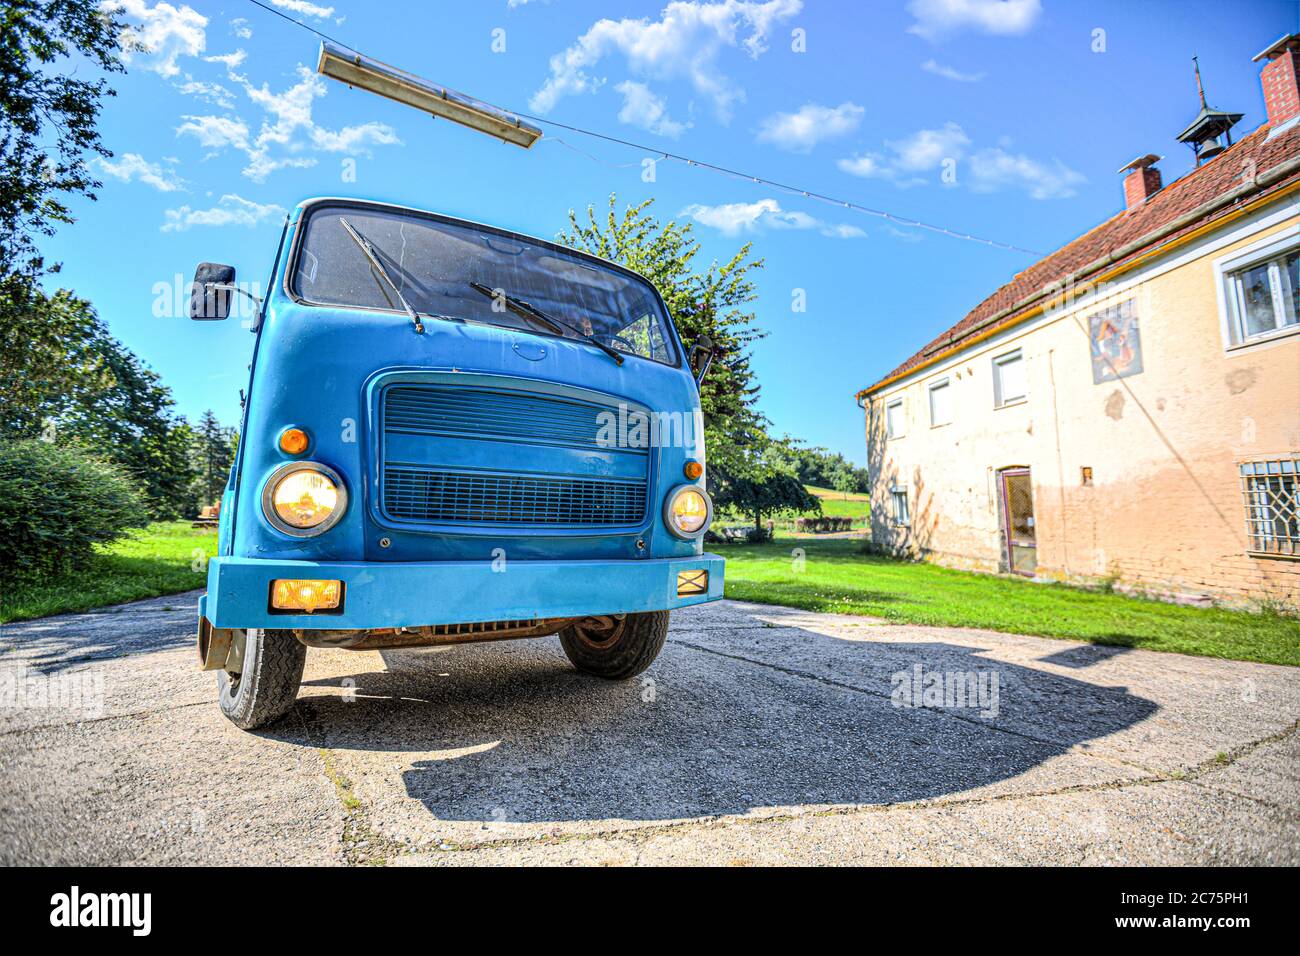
(724, 722)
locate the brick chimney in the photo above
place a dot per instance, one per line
(1280, 79)
(1142, 181)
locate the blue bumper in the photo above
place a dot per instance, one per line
(381, 595)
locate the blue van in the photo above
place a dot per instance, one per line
(451, 433)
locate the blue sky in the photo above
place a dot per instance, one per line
(1025, 104)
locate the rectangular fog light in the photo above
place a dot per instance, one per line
(298, 594)
(692, 582)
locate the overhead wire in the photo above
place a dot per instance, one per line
(787, 188)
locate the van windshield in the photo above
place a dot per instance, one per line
(437, 265)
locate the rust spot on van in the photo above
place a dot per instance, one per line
(1115, 405)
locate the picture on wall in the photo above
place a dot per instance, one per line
(1116, 345)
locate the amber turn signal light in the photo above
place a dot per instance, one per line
(692, 582)
(692, 470)
(293, 441)
(294, 594)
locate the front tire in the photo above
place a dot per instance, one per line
(267, 684)
(618, 646)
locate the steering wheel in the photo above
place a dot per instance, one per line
(622, 343)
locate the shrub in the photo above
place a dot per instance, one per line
(56, 503)
(823, 524)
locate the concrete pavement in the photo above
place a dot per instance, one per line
(761, 735)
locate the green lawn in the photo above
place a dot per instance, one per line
(836, 507)
(837, 504)
(158, 560)
(838, 577)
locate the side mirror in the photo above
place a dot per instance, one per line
(701, 357)
(210, 293)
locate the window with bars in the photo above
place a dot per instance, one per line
(1271, 493)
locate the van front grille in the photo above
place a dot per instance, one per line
(473, 454)
(416, 494)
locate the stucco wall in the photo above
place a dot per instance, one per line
(1164, 512)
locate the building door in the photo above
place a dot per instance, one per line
(1018, 515)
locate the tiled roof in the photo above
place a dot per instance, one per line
(1218, 176)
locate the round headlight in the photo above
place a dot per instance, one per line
(304, 498)
(688, 511)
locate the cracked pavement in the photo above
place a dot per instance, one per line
(762, 735)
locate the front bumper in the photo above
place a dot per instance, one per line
(413, 594)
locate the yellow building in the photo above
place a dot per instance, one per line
(1126, 410)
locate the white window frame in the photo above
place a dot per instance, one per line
(895, 493)
(1270, 490)
(1000, 401)
(1228, 289)
(935, 386)
(892, 403)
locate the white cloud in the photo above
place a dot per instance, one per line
(353, 139)
(641, 107)
(287, 130)
(260, 165)
(732, 219)
(865, 165)
(683, 43)
(215, 132)
(906, 235)
(843, 231)
(213, 93)
(950, 73)
(166, 33)
(230, 210)
(922, 152)
(134, 166)
(305, 8)
(813, 123)
(914, 159)
(937, 18)
(927, 148)
(241, 28)
(995, 168)
(230, 60)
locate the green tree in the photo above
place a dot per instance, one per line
(820, 468)
(213, 452)
(844, 481)
(45, 356)
(49, 115)
(762, 485)
(708, 300)
(65, 378)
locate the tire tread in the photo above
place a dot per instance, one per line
(643, 638)
(268, 686)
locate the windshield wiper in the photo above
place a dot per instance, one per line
(529, 311)
(380, 271)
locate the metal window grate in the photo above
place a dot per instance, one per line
(418, 494)
(1271, 493)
